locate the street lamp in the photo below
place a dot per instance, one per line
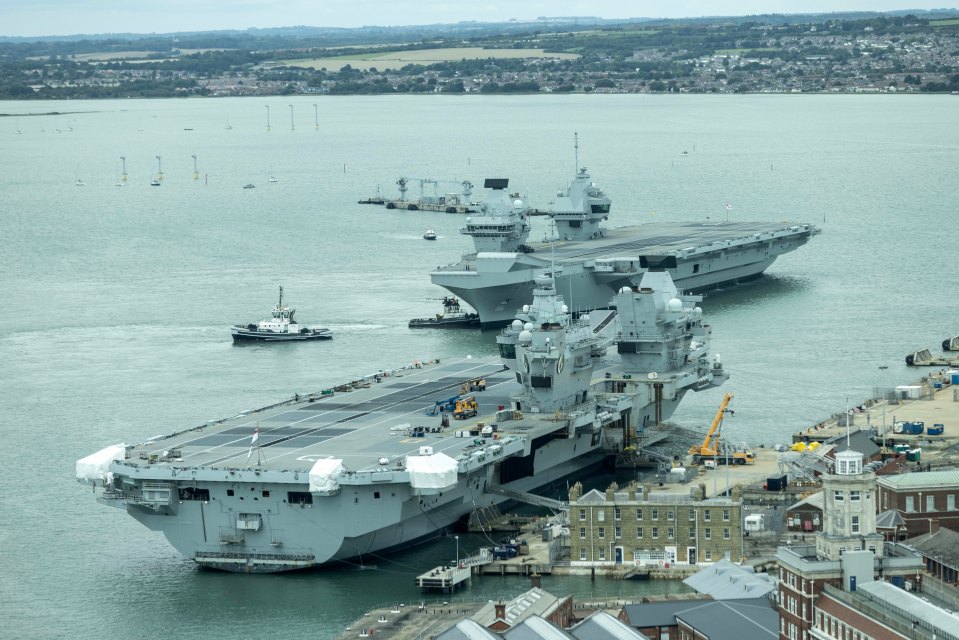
(885, 401)
(457, 538)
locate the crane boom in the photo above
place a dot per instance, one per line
(708, 447)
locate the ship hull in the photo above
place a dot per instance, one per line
(353, 527)
(258, 336)
(497, 284)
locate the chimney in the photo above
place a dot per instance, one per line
(536, 581)
(500, 611)
(933, 525)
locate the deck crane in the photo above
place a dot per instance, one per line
(711, 447)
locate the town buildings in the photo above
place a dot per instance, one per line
(925, 500)
(848, 553)
(636, 526)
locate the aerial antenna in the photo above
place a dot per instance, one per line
(576, 152)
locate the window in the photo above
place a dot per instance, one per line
(855, 524)
(655, 533)
(725, 515)
(707, 515)
(601, 515)
(655, 514)
(619, 532)
(855, 496)
(582, 515)
(639, 514)
(669, 515)
(951, 502)
(229, 492)
(582, 533)
(617, 515)
(692, 515)
(582, 554)
(602, 554)
(930, 503)
(838, 496)
(299, 497)
(692, 534)
(602, 532)
(669, 533)
(910, 504)
(726, 534)
(709, 555)
(708, 533)
(639, 533)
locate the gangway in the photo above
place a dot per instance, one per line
(530, 498)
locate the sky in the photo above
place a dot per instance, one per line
(68, 17)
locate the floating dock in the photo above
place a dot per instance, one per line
(924, 358)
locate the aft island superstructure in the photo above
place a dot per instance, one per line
(347, 476)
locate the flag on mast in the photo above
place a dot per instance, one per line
(256, 436)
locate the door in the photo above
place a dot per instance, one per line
(619, 555)
(691, 555)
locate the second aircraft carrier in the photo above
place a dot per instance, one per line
(592, 262)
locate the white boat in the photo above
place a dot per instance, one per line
(281, 327)
(429, 235)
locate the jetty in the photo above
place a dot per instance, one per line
(448, 579)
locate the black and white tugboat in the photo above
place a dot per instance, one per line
(280, 328)
(452, 316)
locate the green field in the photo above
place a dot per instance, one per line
(399, 59)
(739, 52)
(944, 23)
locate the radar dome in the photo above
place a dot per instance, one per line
(517, 325)
(565, 309)
(652, 375)
(528, 326)
(468, 219)
(697, 311)
(675, 305)
(526, 336)
(584, 317)
(525, 308)
(517, 204)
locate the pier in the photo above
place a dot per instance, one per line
(448, 579)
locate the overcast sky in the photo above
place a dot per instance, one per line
(67, 17)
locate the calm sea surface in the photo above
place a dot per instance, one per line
(116, 301)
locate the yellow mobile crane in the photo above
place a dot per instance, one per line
(710, 448)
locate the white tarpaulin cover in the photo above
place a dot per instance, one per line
(324, 473)
(437, 471)
(96, 465)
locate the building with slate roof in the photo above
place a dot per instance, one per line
(940, 551)
(806, 515)
(727, 581)
(730, 620)
(598, 626)
(924, 499)
(635, 527)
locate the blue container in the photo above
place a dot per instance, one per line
(955, 378)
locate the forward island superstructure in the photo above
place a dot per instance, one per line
(348, 476)
(593, 262)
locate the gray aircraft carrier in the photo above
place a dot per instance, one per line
(593, 262)
(349, 474)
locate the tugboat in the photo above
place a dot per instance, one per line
(280, 328)
(452, 316)
(429, 235)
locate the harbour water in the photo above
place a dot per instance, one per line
(117, 300)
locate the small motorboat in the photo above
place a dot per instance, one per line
(249, 186)
(429, 235)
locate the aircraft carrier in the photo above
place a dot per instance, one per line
(345, 476)
(593, 262)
